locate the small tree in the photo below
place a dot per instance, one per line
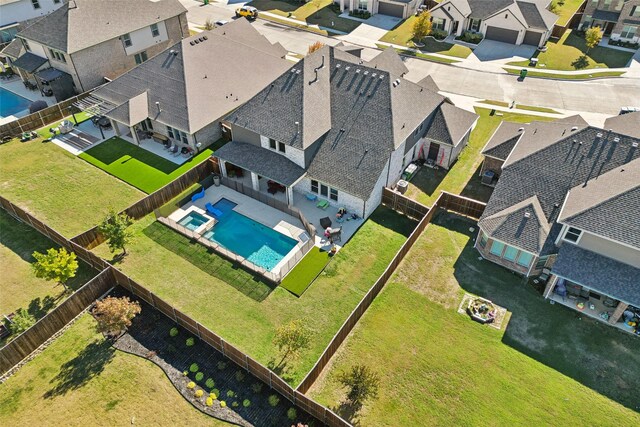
(362, 382)
(315, 46)
(292, 338)
(20, 322)
(592, 37)
(114, 228)
(114, 315)
(553, 7)
(57, 265)
(209, 25)
(422, 26)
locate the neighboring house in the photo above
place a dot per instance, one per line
(619, 19)
(628, 124)
(510, 21)
(180, 95)
(567, 200)
(398, 8)
(335, 128)
(86, 42)
(13, 12)
(442, 143)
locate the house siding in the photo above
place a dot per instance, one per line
(506, 20)
(610, 249)
(346, 200)
(293, 154)
(209, 134)
(241, 134)
(457, 16)
(513, 266)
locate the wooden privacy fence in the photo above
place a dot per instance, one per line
(29, 341)
(461, 205)
(403, 204)
(92, 237)
(40, 118)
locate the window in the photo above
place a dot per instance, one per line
(510, 253)
(635, 11)
(438, 24)
(524, 259)
(333, 194)
(541, 262)
(324, 190)
(141, 57)
(146, 125)
(483, 239)
(572, 235)
(272, 143)
(170, 132)
(362, 4)
(281, 147)
(619, 5)
(154, 30)
(35, 4)
(126, 39)
(56, 1)
(606, 5)
(314, 186)
(26, 45)
(628, 31)
(57, 55)
(497, 248)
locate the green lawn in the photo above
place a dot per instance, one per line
(402, 35)
(20, 287)
(570, 53)
(521, 106)
(463, 178)
(55, 186)
(566, 11)
(585, 76)
(547, 364)
(408, 52)
(80, 380)
(219, 298)
(303, 274)
(137, 166)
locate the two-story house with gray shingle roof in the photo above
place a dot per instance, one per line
(337, 129)
(619, 19)
(509, 21)
(87, 42)
(566, 202)
(13, 12)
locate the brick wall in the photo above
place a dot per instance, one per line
(491, 164)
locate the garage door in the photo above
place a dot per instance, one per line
(532, 38)
(390, 9)
(501, 35)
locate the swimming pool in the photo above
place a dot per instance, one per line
(10, 103)
(257, 243)
(193, 220)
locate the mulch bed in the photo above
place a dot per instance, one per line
(149, 337)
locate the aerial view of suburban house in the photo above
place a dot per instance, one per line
(619, 19)
(561, 210)
(339, 129)
(398, 8)
(64, 52)
(13, 12)
(510, 21)
(179, 96)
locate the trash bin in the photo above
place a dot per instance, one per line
(216, 178)
(206, 2)
(523, 73)
(402, 186)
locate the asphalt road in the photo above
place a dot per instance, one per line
(604, 96)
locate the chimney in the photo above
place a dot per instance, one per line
(158, 107)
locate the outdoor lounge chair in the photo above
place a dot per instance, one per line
(312, 197)
(213, 211)
(198, 195)
(322, 204)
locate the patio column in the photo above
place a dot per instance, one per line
(134, 134)
(254, 181)
(223, 168)
(617, 314)
(550, 286)
(115, 127)
(290, 196)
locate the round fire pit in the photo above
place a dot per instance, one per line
(482, 310)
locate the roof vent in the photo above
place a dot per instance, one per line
(347, 68)
(192, 42)
(196, 41)
(575, 128)
(634, 144)
(298, 71)
(205, 37)
(373, 74)
(397, 82)
(521, 130)
(381, 76)
(616, 139)
(527, 215)
(366, 73)
(574, 141)
(293, 70)
(599, 135)
(338, 65)
(580, 142)
(358, 71)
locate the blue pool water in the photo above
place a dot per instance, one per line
(10, 103)
(193, 220)
(257, 243)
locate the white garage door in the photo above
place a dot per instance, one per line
(501, 35)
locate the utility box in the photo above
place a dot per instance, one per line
(402, 186)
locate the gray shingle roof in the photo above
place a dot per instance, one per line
(450, 124)
(264, 162)
(198, 84)
(607, 205)
(554, 168)
(504, 139)
(531, 13)
(429, 83)
(13, 49)
(80, 24)
(599, 273)
(389, 60)
(29, 62)
(536, 16)
(484, 8)
(626, 124)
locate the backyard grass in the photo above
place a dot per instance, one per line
(420, 55)
(303, 274)
(583, 76)
(20, 287)
(249, 322)
(316, 12)
(521, 106)
(566, 11)
(137, 166)
(59, 189)
(463, 178)
(80, 380)
(547, 364)
(402, 35)
(570, 53)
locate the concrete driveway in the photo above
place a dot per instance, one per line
(371, 30)
(491, 50)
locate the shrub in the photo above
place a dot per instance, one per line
(235, 404)
(199, 393)
(190, 341)
(439, 34)
(231, 393)
(215, 391)
(246, 403)
(185, 373)
(173, 332)
(292, 414)
(209, 401)
(223, 404)
(171, 349)
(212, 395)
(256, 387)
(222, 365)
(210, 383)
(194, 367)
(239, 376)
(22, 321)
(274, 400)
(199, 376)
(191, 385)
(470, 37)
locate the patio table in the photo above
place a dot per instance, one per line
(325, 222)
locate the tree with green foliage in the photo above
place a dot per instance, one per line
(422, 26)
(114, 315)
(362, 382)
(57, 265)
(592, 37)
(291, 338)
(114, 228)
(20, 322)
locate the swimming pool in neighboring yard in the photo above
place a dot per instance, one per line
(257, 243)
(10, 103)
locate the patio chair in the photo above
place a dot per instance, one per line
(213, 211)
(322, 204)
